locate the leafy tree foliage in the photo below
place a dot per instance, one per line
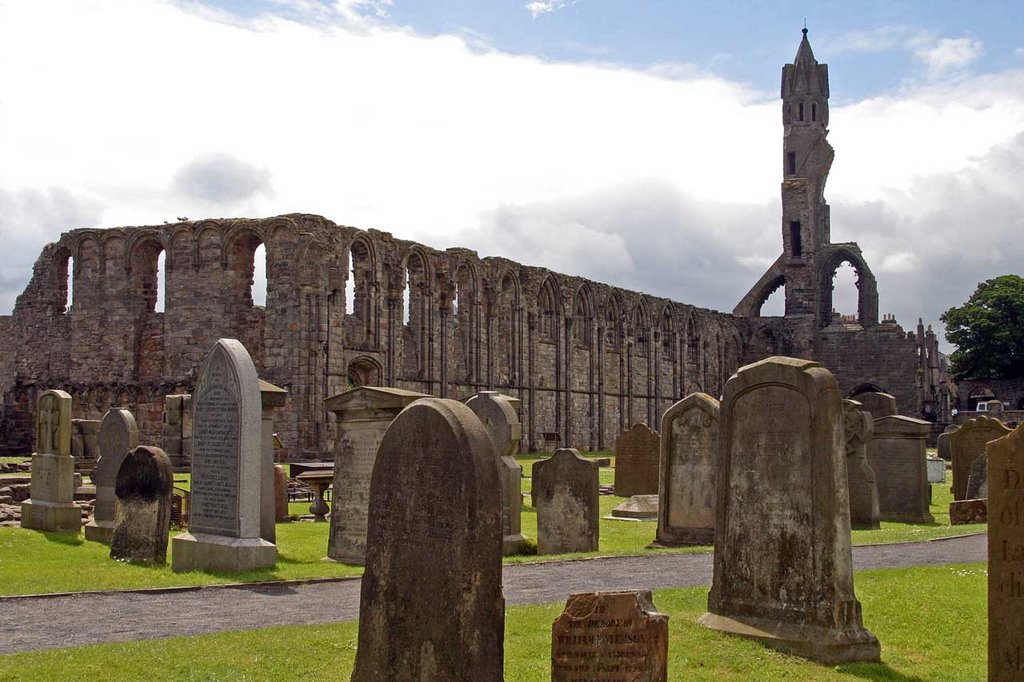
(988, 331)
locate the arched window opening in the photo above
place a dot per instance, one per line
(415, 313)
(259, 276)
(547, 311)
(161, 282)
(641, 334)
(406, 299)
(507, 305)
(775, 304)
(693, 350)
(583, 319)
(358, 301)
(845, 295)
(350, 294)
(800, 111)
(242, 260)
(667, 334)
(147, 278)
(612, 327)
(796, 242)
(814, 111)
(363, 372)
(465, 316)
(68, 280)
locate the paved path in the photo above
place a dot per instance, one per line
(30, 623)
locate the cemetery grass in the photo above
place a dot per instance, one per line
(935, 634)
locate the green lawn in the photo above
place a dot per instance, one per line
(931, 622)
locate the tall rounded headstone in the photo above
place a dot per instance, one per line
(783, 567)
(50, 506)
(431, 606)
(859, 428)
(118, 436)
(145, 480)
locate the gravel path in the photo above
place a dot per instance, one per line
(30, 623)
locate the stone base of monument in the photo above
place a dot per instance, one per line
(907, 517)
(512, 544)
(968, 511)
(683, 537)
(99, 531)
(823, 645)
(202, 552)
(59, 517)
(637, 508)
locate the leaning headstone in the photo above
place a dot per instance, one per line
(119, 435)
(942, 443)
(565, 494)
(689, 448)
(1006, 557)
(783, 567)
(364, 414)
(271, 397)
(498, 414)
(50, 506)
(431, 606)
(897, 456)
(877, 404)
(143, 488)
(227, 476)
(637, 453)
(859, 428)
(967, 444)
(610, 636)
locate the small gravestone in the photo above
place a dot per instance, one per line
(637, 453)
(85, 447)
(936, 470)
(783, 567)
(637, 508)
(271, 397)
(280, 494)
(877, 404)
(177, 430)
(859, 428)
(50, 506)
(227, 477)
(364, 414)
(689, 448)
(967, 444)
(610, 636)
(431, 606)
(977, 482)
(565, 494)
(144, 483)
(119, 435)
(897, 456)
(968, 511)
(498, 414)
(942, 443)
(1006, 557)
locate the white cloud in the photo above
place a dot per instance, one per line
(949, 54)
(879, 39)
(221, 179)
(539, 7)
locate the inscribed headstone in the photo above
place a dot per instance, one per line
(897, 456)
(50, 506)
(364, 414)
(565, 494)
(610, 636)
(144, 483)
(859, 428)
(431, 606)
(118, 436)
(967, 444)
(227, 476)
(1006, 557)
(498, 414)
(689, 448)
(877, 404)
(637, 454)
(783, 570)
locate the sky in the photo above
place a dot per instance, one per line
(635, 143)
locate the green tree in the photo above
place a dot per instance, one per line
(988, 331)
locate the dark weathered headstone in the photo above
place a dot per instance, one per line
(689, 448)
(118, 436)
(145, 480)
(565, 494)
(783, 568)
(896, 454)
(227, 469)
(1006, 557)
(271, 397)
(943, 445)
(431, 606)
(859, 428)
(364, 414)
(637, 454)
(50, 506)
(967, 444)
(877, 404)
(498, 414)
(610, 636)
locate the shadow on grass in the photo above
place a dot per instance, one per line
(73, 539)
(876, 671)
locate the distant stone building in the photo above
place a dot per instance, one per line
(347, 307)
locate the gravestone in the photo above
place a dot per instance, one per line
(85, 447)
(637, 454)
(897, 456)
(118, 436)
(967, 444)
(610, 636)
(280, 494)
(1006, 557)
(936, 470)
(177, 430)
(977, 482)
(144, 483)
(565, 495)
(364, 414)
(227, 477)
(859, 428)
(50, 506)
(942, 443)
(498, 414)
(431, 606)
(689, 448)
(271, 397)
(877, 404)
(637, 508)
(783, 572)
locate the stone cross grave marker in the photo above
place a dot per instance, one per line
(565, 490)
(1006, 557)
(144, 483)
(782, 483)
(610, 636)
(227, 469)
(431, 606)
(689, 448)
(967, 444)
(50, 506)
(637, 454)
(119, 435)
(897, 455)
(364, 414)
(859, 428)
(877, 404)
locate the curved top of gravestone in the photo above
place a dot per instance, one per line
(951, 428)
(565, 457)
(499, 418)
(858, 425)
(119, 435)
(53, 423)
(877, 403)
(700, 401)
(145, 474)
(638, 432)
(990, 428)
(779, 369)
